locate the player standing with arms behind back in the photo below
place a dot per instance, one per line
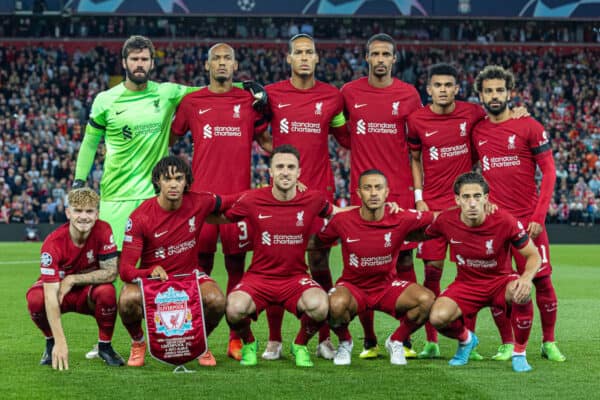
(377, 107)
(509, 151)
(223, 123)
(303, 112)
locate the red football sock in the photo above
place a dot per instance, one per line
(342, 333)
(135, 330)
(104, 297)
(206, 262)
(275, 320)
(433, 276)
(470, 321)
(308, 328)
(402, 333)
(367, 320)
(521, 318)
(234, 264)
(37, 310)
(455, 330)
(243, 330)
(503, 324)
(323, 278)
(547, 303)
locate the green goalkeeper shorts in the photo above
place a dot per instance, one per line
(116, 213)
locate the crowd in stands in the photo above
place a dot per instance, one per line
(477, 30)
(45, 96)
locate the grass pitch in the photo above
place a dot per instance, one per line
(576, 277)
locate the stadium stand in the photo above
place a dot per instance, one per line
(46, 90)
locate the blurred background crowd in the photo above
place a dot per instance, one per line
(46, 91)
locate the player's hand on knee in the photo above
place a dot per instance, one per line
(522, 290)
(259, 93)
(160, 273)
(490, 208)
(301, 186)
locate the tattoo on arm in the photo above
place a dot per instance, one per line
(106, 274)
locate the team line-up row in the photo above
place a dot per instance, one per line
(418, 152)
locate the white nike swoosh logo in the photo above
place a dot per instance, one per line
(455, 241)
(482, 142)
(260, 216)
(282, 105)
(242, 245)
(157, 235)
(204, 111)
(427, 134)
(359, 105)
(348, 240)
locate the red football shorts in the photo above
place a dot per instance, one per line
(472, 297)
(74, 301)
(284, 292)
(382, 298)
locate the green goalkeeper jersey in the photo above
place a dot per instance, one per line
(136, 127)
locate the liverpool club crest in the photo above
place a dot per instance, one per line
(173, 317)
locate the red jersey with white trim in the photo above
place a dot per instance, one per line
(481, 252)
(165, 238)
(508, 152)
(223, 126)
(370, 248)
(301, 118)
(281, 229)
(61, 257)
(444, 141)
(377, 124)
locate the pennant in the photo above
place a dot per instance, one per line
(174, 317)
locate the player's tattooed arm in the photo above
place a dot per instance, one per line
(106, 274)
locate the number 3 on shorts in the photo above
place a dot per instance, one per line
(243, 230)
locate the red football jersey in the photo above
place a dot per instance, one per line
(370, 248)
(61, 257)
(483, 251)
(377, 124)
(223, 126)
(508, 153)
(165, 238)
(445, 144)
(281, 229)
(301, 118)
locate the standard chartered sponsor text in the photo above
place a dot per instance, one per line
(505, 161)
(288, 239)
(375, 261)
(306, 127)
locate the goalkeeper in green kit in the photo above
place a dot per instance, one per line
(134, 118)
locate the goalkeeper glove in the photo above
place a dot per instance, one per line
(259, 93)
(78, 184)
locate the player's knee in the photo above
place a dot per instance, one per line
(214, 302)
(236, 308)
(105, 295)
(439, 317)
(338, 305)
(130, 301)
(35, 302)
(426, 298)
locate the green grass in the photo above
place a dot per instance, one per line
(576, 277)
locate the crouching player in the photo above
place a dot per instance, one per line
(371, 240)
(481, 245)
(78, 266)
(163, 233)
